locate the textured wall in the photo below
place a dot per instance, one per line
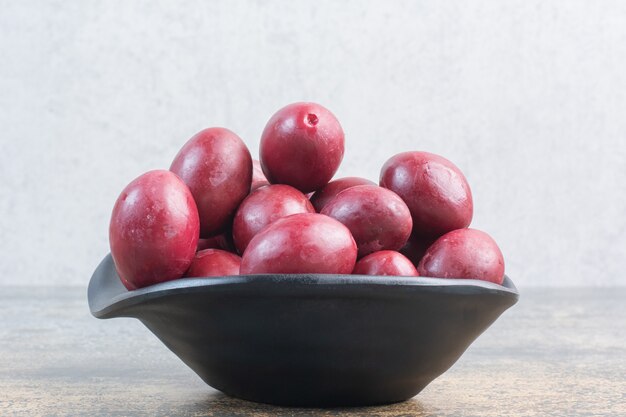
(528, 98)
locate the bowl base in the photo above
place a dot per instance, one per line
(335, 402)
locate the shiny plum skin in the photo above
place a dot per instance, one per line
(464, 253)
(415, 248)
(322, 196)
(264, 206)
(214, 263)
(302, 145)
(217, 167)
(307, 243)
(385, 262)
(258, 177)
(377, 218)
(435, 190)
(154, 230)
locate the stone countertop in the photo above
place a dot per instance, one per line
(558, 352)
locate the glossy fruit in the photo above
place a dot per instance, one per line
(214, 263)
(302, 145)
(434, 189)
(258, 177)
(377, 218)
(264, 206)
(385, 262)
(300, 244)
(217, 167)
(464, 253)
(322, 196)
(154, 230)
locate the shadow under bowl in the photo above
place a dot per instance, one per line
(310, 339)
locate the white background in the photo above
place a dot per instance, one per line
(528, 98)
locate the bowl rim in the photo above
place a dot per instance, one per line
(106, 293)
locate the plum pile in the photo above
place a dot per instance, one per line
(218, 212)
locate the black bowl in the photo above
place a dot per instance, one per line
(310, 339)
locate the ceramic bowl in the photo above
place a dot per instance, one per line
(310, 339)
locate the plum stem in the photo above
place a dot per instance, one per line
(312, 119)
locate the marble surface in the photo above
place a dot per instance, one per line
(558, 352)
